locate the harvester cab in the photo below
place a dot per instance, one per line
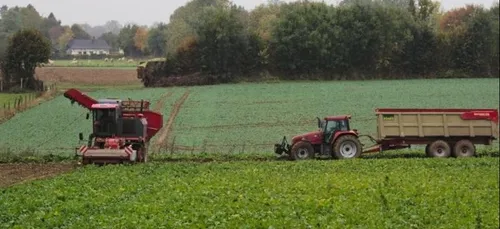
(333, 138)
(121, 129)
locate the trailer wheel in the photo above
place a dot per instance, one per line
(302, 151)
(464, 148)
(439, 149)
(347, 147)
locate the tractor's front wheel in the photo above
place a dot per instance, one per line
(347, 147)
(302, 151)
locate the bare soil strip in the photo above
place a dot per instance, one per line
(158, 107)
(11, 174)
(165, 131)
(92, 76)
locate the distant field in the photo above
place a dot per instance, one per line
(96, 63)
(88, 76)
(246, 118)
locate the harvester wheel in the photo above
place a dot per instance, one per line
(302, 151)
(439, 149)
(142, 155)
(464, 148)
(347, 147)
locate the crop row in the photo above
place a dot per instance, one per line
(396, 193)
(251, 117)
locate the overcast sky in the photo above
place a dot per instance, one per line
(97, 12)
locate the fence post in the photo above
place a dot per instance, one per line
(22, 84)
(1, 85)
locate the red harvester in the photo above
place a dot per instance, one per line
(121, 131)
(444, 132)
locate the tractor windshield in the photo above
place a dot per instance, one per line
(104, 122)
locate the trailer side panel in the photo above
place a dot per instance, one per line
(432, 123)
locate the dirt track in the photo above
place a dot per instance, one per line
(101, 76)
(164, 132)
(17, 173)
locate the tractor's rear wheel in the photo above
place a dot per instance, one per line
(302, 151)
(347, 147)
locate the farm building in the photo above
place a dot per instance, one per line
(88, 47)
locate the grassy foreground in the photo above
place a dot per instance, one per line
(365, 193)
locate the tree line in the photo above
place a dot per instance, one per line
(217, 41)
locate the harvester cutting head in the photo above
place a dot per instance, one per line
(121, 128)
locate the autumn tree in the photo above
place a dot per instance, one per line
(126, 40)
(27, 49)
(141, 39)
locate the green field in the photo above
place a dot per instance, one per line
(96, 63)
(379, 193)
(232, 128)
(248, 118)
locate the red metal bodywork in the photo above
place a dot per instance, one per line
(468, 114)
(314, 137)
(154, 120)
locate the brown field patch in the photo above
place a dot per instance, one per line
(11, 174)
(100, 76)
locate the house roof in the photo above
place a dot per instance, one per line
(88, 44)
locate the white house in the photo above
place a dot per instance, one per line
(88, 47)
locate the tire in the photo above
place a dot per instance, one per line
(302, 151)
(439, 149)
(143, 155)
(464, 148)
(427, 150)
(347, 147)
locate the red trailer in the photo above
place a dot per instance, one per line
(444, 132)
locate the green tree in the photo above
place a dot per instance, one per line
(157, 39)
(112, 40)
(126, 40)
(27, 49)
(223, 42)
(79, 33)
(185, 19)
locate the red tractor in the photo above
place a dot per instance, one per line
(333, 138)
(121, 129)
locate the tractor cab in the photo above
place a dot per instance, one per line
(331, 125)
(110, 119)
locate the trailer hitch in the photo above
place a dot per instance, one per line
(284, 147)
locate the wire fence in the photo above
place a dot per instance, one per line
(24, 101)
